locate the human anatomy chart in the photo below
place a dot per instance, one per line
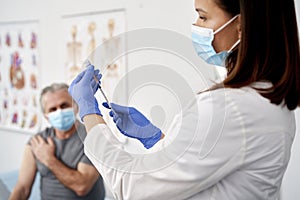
(96, 36)
(19, 84)
(91, 36)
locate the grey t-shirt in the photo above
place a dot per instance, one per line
(70, 152)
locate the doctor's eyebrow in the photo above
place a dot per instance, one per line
(200, 10)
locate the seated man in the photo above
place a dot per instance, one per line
(57, 153)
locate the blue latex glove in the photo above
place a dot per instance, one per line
(83, 88)
(134, 124)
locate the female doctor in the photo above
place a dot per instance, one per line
(234, 140)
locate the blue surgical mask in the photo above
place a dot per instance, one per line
(202, 40)
(62, 119)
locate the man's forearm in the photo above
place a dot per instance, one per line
(19, 194)
(71, 178)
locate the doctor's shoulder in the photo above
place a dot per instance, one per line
(246, 100)
(243, 113)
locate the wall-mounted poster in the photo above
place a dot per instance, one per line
(19, 80)
(92, 36)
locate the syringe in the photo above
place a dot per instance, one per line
(87, 63)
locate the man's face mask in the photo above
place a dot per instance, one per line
(202, 40)
(62, 119)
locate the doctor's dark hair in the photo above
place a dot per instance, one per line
(269, 49)
(232, 7)
(52, 88)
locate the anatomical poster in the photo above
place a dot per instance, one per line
(98, 37)
(92, 36)
(19, 80)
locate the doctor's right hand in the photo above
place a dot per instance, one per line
(134, 124)
(83, 88)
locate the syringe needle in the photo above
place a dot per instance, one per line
(87, 63)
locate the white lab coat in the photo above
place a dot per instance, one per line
(229, 144)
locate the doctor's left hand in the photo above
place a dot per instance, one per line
(134, 124)
(83, 88)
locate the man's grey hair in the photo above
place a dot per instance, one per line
(52, 88)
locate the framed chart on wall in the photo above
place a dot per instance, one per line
(96, 36)
(19, 80)
(92, 36)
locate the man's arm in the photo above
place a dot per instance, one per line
(26, 176)
(80, 180)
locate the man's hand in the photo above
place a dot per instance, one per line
(43, 151)
(80, 180)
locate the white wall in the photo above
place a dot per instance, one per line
(174, 15)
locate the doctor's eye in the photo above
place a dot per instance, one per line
(203, 18)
